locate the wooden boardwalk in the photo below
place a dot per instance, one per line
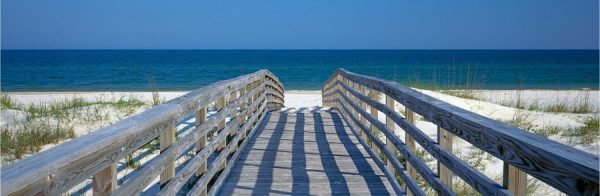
(304, 152)
(242, 143)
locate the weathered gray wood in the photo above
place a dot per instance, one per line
(217, 164)
(411, 157)
(232, 97)
(104, 182)
(200, 119)
(243, 105)
(515, 180)
(50, 172)
(410, 144)
(471, 176)
(219, 182)
(445, 141)
(410, 182)
(375, 114)
(167, 138)
(278, 157)
(565, 168)
(147, 173)
(390, 103)
(186, 172)
(221, 159)
(219, 105)
(390, 169)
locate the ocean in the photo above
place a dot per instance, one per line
(173, 70)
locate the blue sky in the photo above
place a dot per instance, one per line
(305, 24)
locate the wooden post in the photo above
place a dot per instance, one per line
(203, 192)
(105, 181)
(255, 96)
(219, 105)
(345, 102)
(410, 143)
(242, 118)
(201, 118)
(232, 97)
(374, 114)
(249, 101)
(167, 138)
(445, 141)
(515, 180)
(363, 106)
(341, 90)
(389, 102)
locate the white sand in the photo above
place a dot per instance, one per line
(540, 97)
(47, 97)
(311, 100)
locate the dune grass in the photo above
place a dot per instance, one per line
(156, 100)
(54, 122)
(30, 138)
(465, 82)
(587, 134)
(7, 103)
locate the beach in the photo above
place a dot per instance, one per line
(495, 104)
(300, 98)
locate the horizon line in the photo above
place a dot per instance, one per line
(354, 49)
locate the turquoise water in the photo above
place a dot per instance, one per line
(124, 70)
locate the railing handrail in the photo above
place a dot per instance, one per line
(61, 167)
(568, 169)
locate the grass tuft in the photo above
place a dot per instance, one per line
(30, 139)
(586, 134)
(6, 102)
(156, 100)
(131, 162)
(51, 123)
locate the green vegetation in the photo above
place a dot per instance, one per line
(579, 105)
(465, 94)
(131, 162)
(7, 103)
(156, 100)
(464, 82)
(519, 120)
(465, 78)
(37, 125)
(586, 134)
(547, 131)
(30, 138)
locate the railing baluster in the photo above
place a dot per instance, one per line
(201, 118)
(219, 105)
(105, 181)
(242, 107)
(375, 114)
(515, 180)
(232, 97)
(59, 169)
(167, 138)
(445, 141)
(390, 125)
(410, 143)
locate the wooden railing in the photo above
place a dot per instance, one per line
(240, 103)
(567, 169)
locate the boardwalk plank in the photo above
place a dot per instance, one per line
(305, 154)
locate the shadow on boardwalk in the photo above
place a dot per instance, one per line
(305, 152)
